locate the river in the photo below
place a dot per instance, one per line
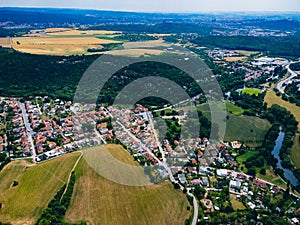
(288, 174)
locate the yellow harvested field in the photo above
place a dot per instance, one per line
(34, 35)
(5, 42)
(57, 45)
(58, 50)
(57, 29)
(271, 98)
(235, 59)
(97, 200)
(60, 41)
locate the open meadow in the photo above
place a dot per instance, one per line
(37, 185)
(97, 200)
(248, 129)
(66, 41)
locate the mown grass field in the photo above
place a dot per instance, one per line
(248, 129)
(251, 91)
(232, 108)
(295, 152)
(271, 98)
(38, 183)
(97, 200)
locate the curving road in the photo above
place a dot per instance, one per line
(280, 85)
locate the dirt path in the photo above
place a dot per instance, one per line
(69, 178)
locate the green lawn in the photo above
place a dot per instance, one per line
(252, 91)
(247, 155)
(232, 108)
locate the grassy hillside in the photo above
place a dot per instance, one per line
(37, 184)
(234, 109)
(249, 129)
(271, 98)
(95, 199)
(100, 201)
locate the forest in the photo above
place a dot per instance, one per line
(287, 47)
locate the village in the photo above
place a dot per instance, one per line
(42, 128)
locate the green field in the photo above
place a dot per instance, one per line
(232, 108)
(271, 98)
(270, 176)
(295, 152)
(251, 91)
(248, 129)
(100, 201)
(38, 183)
(247, 155)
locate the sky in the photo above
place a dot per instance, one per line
(163, 5)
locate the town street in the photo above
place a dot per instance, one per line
(164, 164)
(29, 131)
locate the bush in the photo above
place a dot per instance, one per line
(262, 171)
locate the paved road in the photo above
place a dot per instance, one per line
(164, 164)
(280, 85)
(149, 115)
(269, 183)
(28, 130)
(195, 203)
(100, 136)
(196, 207)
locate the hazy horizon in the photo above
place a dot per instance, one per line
(164, 6)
